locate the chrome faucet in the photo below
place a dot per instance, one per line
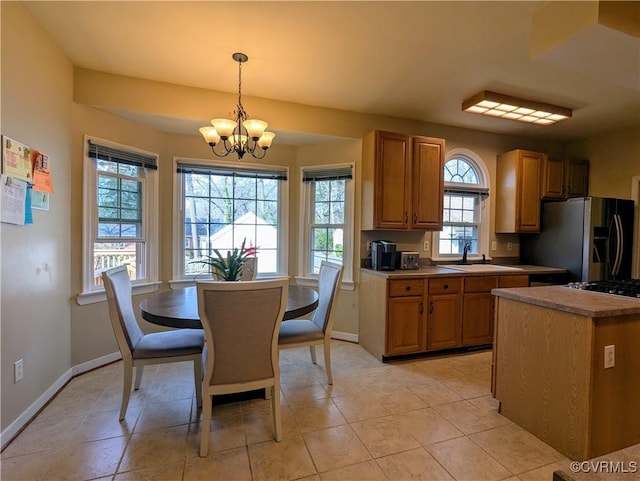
(465, 251)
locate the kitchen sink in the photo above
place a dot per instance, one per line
(480, 267)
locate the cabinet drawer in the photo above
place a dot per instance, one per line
(480, 284)
(445, 285)
(406, 287)
(513, 281)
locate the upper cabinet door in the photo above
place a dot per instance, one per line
(553, 186)
(392, 198)
(427, 183)
(518, 175)
(529, 184)
(576, 178)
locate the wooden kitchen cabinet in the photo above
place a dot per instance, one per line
(477, 310)
(518, 191)
(405, 317)
(444, 318)
(564, 178)
(414, 315)
(402, 181)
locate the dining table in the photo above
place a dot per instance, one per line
(179, 307)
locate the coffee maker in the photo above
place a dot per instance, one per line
(383, 255)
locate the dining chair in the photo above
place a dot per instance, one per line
(139, 349)
(317, 329)
(241, 322)
(249, 269)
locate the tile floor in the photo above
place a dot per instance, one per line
(428, 419)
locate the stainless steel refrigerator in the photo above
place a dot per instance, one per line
(591, 237)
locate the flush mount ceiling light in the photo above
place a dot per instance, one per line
(513, 108)
(241, 135)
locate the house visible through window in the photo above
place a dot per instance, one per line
(119, 220)
(224, 206)
(327, 222)
(465, 191)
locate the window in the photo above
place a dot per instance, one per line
(120, 213)
(327, 218)
(223, 205)
(464, 194)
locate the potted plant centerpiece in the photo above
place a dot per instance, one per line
(228, 267)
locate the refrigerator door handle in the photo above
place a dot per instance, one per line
(619, 245)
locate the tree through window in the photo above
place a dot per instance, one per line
(222, 207)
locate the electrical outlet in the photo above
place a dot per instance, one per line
(368, 246)
(609, 356)
(426, 246)
(494, 246)
(509, 246)
(18, 370)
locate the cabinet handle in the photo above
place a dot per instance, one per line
(431, 308)
(406, 217)
(415, 217)
(446, 286)
(421, 308)
(408, 288)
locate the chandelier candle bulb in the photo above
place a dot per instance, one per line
(224, 127)
(255, 128)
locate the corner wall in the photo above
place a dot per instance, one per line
(36, 93)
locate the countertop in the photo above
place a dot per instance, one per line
(437, 271)
(584, 303)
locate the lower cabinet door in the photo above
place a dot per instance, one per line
(444, 321)
(405, 325)
(477, 319)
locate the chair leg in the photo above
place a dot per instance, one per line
(312, 350)
(139, 373)
(327, 360)
(126, 389)
(197, 377)
(206, 425)
(275, 411)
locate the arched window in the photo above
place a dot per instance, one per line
(465, 189)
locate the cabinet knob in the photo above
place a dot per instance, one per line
(446, 286)
(408, 288)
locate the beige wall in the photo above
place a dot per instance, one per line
(43, 261)
(36, 259)
(614, 159)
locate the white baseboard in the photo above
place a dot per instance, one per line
(14, 428)
(95, 363)
(344, 336)
(21, 421)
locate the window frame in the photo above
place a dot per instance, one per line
(484, 206)
(179, 278)
(148, 255)
(305, 276)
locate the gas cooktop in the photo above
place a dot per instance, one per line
(628, 287)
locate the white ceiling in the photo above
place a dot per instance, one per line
(415, 60)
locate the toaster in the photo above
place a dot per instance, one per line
(408, 260)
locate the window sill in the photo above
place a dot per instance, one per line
(313, 282)
(92, 297)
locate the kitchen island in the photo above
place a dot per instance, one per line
(549, 374)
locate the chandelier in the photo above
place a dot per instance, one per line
(241, 135)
